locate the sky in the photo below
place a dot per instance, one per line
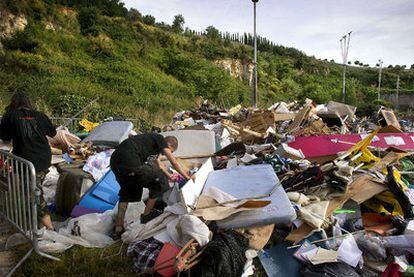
(381, 29)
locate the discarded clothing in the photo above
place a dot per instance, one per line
(323, 256)
(223, 256)
(392, 270)
(138, 231)
(314, 214)
(144, 253)
(97, 165)
(312, 176)
(63, 139)
(372, 247)
(188, 227)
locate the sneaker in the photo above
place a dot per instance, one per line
(153, 214)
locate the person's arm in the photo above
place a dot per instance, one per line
(163, 169)
(5, 129)
(50, 129)
(167, 152)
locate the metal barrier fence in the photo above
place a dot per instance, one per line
(73, 124)
(19, 197)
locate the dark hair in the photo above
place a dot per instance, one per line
(172, 141)
(19, 101)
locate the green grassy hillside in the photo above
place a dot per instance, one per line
(72, 51)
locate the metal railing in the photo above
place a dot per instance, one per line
(19, 197)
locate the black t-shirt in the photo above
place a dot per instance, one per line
(28, 130)
(133, 152)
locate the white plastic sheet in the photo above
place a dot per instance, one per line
(49, 185)
(90, 230)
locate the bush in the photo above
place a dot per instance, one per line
(88, 18)
(23, 40)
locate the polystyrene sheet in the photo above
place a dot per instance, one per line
(191, 190)
(193, 143)
(110, 133)
(252, 181)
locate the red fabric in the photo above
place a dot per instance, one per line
(392, 271)
(166, 259)
(317, 146)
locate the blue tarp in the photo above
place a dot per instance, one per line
(103, 195)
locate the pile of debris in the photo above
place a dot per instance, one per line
(311, 186)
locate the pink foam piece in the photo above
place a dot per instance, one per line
(318, 146)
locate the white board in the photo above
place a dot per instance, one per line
(193, 143)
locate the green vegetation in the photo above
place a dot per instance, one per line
(73, 51)
(81, 261)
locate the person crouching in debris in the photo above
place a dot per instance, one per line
(133, 171)
(27, 129)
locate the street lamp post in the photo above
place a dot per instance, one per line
(379, 79)
(344, 41)
(254, 93)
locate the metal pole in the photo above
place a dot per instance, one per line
(343, 83)
(398, 91)
(379, 79)
(344, 41)
(254, 96)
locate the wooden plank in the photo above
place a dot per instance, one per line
(302, 115)
(284, 116)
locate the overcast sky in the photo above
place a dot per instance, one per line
(382, 29)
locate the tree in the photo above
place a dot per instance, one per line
(356, 62)
(212, 33)
(148, 19)
(349, 62)
(412, 66)
(178, 23)
(134, 15)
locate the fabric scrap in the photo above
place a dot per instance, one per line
(324, 256)
(223, 256)
(144, 253)
(188, 227)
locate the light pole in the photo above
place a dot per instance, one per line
(254, 93)
(344, 41)
(379, 79)
(398, 91)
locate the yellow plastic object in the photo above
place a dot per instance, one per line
(363, 144)
(367, 157)
(385, 197)
(87, 125)
(397, 177)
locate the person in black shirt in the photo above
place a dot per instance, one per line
(133, 169)
(27, 129)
